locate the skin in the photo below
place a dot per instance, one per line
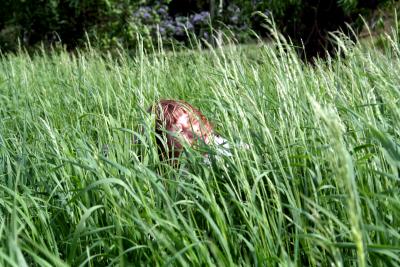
(183, 124)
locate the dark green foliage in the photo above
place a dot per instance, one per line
(64, 21)
(308, 22)
(117, 23)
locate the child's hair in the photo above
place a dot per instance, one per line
(177, 121)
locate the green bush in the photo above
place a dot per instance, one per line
(117, 23)
(50, 21)
(308, 22)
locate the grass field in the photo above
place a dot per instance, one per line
(319, 186)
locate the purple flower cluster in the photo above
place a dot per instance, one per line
(202, 18)
(180, 25)
(145, 14)
(158, 20)
(163, 11)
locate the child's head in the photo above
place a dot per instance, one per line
(180, 123)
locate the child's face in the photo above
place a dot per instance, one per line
(187, 129)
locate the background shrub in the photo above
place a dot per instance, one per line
(118, 23)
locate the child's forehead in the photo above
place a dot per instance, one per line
(174, 112)
(183, 119)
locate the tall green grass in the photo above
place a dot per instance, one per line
(319, 185)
